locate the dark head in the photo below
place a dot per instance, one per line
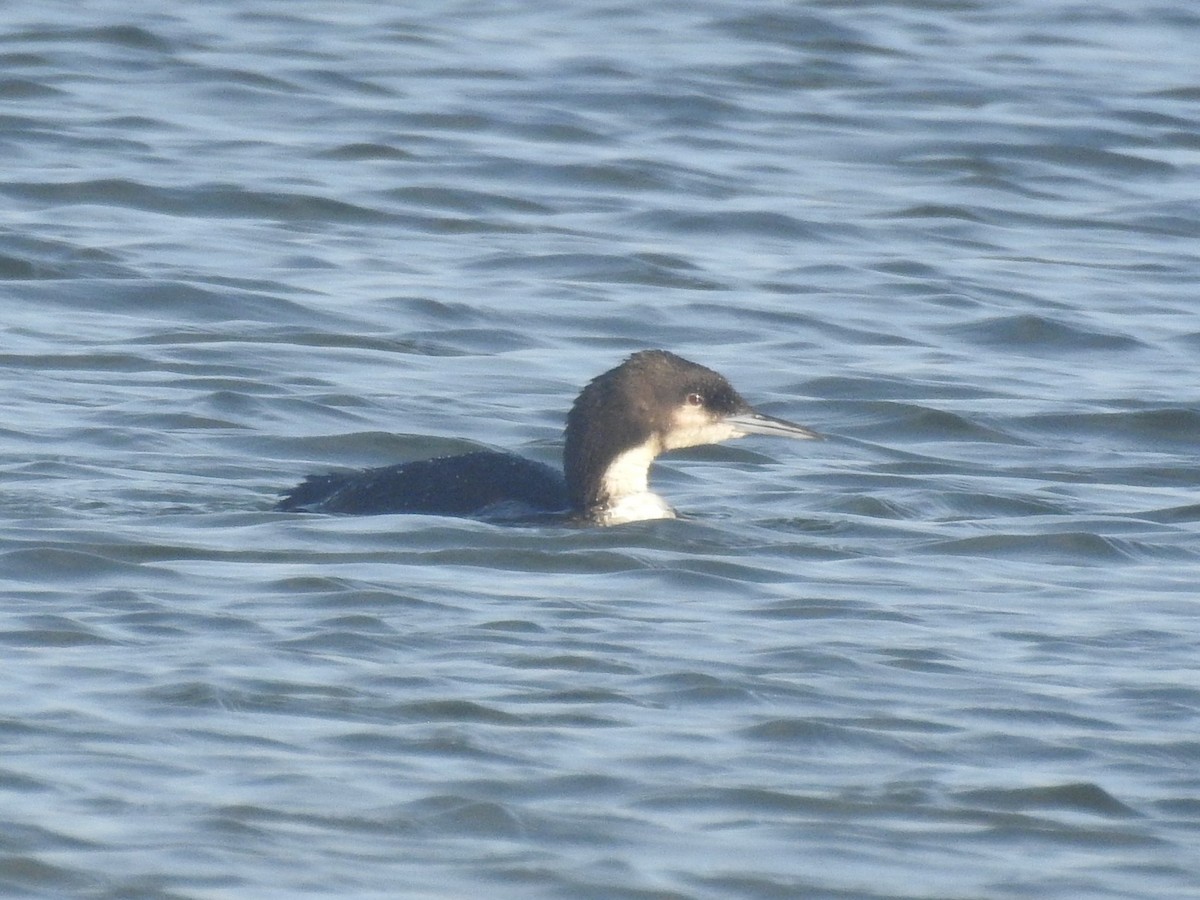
(653, 402)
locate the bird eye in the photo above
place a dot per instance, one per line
(695, 400)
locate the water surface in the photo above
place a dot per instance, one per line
(948, 653)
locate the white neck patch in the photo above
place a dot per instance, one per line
(625, 488)
(634, 508)
(629, 473)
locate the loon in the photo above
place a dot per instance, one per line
(623, 419)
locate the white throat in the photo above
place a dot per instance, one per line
(626, 488)
(634, 508)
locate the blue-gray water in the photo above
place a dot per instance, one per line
(949, 653)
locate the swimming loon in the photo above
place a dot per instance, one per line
(653, 402)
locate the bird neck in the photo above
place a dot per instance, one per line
(619, 491)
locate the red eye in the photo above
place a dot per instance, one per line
(695, 400)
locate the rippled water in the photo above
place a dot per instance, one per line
(948, 653)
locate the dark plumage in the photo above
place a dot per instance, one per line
(626, 406)
(463, 485)
(653, 402)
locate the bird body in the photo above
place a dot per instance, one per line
(620, 423)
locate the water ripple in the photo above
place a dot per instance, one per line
(243, 244)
